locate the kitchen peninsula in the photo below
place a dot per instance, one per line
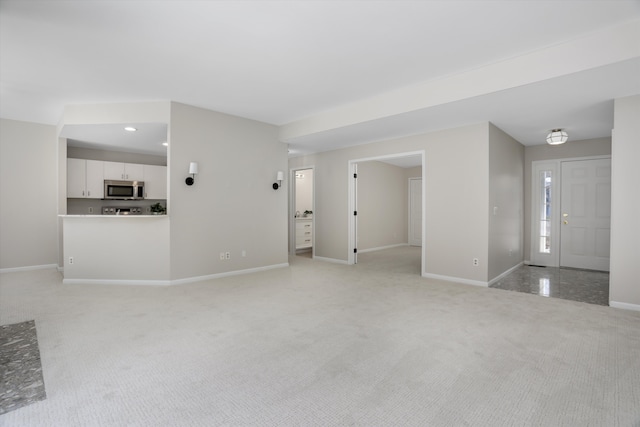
(116, 249)
(114, 229)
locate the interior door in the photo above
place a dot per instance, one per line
(586, 214)
(415, 211)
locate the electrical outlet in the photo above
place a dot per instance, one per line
(227, 255)
(244, 253)
(476, 262)
(221, 256)
(70, 260)
(90, 209)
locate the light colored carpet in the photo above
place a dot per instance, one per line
(321, 344)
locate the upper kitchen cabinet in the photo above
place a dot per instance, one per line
(85, 179)
(123, 171)
(155, 182)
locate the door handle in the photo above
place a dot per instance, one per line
(565, 222)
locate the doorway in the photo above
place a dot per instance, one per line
(571, 210)
(302, 212)
(380, 204)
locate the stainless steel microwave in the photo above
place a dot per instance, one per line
(123, 190)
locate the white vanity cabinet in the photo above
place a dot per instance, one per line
(123, 171)
(85, 179)
(304, 233)
(155, 182)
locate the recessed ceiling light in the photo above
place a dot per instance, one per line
(166, 144)
(130, 129)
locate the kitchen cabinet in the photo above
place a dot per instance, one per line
(123, 171)
(85, 179)
(155, 182)
(304, 233)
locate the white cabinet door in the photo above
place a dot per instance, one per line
(76, 178)
(95, 179)
(133, 172)
(85, 179)
(123, 171)
(114, 170)
(155, 182)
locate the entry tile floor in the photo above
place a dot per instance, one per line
(21, 381)
(566, 283)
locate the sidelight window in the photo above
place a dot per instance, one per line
(544, 220)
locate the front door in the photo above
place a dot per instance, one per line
(585, 214)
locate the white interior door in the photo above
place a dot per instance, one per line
(415, 211)
(586, 214)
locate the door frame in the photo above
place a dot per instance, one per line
(352, 202)
(410, 212)
(555, 165)
(292, 209)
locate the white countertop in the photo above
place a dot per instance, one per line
(113, 216)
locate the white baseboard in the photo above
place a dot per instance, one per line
(624, 305)
(455, 279)
(380, 248)
(332, 260)
(28, 268)
(227, 274)
(116, 282)
(171, 282)
(506, 273)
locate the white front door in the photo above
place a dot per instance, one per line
(415, 211)
(586, 214)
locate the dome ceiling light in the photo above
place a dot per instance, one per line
(557, 137)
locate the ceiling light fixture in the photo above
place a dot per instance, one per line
(130, 129)
(557, 137)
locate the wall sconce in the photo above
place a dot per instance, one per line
(193, 170)
(279, 178)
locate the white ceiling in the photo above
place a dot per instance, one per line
(284, 62)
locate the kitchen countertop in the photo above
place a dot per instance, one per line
(113, 216)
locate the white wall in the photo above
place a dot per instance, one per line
(568, 150)
(382, 205)
(124, 249)
(28, 194)
(455, 181)
(624, 284)
(232, 206)
(506, 195)
(115, 156)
